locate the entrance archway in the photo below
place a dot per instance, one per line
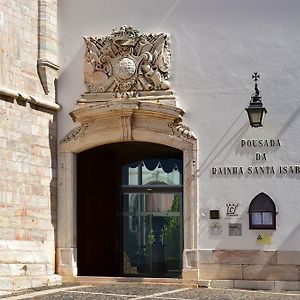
(133, 123)
(129, 210)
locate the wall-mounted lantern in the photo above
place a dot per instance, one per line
(256, 110)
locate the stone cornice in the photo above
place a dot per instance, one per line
(30, 99)
(85, 112)
(157, 96)
(47, 63)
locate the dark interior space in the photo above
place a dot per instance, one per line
(99, 226)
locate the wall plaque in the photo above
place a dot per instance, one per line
(214, 214)
(215, 228)
(231, 209)
(235, 229)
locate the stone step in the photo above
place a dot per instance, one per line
(251, 284)
(102, 280)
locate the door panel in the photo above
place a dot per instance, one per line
(98, 209)
(152, 234)
(139, 234)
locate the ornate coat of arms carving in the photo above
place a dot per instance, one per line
(127, 61)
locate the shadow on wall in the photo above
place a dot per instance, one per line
(53, 183)
(259, 254)
(48, 161)
(71, 80)
(231, 143)
(290, 121)
(49, 155)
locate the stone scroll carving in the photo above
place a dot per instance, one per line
(182, 129)
(127, 61)
(74, 134)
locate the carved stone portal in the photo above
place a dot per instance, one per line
(127, 62)
(127, 99)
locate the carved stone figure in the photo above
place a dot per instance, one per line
(127, 61)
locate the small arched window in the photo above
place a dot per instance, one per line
(262, 212)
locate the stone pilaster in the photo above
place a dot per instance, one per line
(67, 231)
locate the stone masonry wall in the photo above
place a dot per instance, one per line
(255, 269)
(28, 135)
(27, 192)
(26, 34)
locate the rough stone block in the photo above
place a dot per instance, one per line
(206, 257)
(245, 257)
(190, 275)
(288, 257)
(26, 245)
(50, 269)
(4, 221)
(221, 284)
(37, 282)
(21, 282)
(5, 270)
(204, 283)
(287, 285)
(253, 284)
(39, 270)
(7, 233)
(279, 272)
(190, 259)
(6, 284)
(218, 271)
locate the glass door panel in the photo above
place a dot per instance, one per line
(152, 233)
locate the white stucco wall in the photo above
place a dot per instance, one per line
(216, 46)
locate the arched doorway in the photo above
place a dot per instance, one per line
(129, 210)
(109, 124)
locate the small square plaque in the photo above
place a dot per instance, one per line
(214, 214)
(235, 229)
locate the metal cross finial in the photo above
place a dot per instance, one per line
(255, 76)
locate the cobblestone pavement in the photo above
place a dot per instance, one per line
(153, 292)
